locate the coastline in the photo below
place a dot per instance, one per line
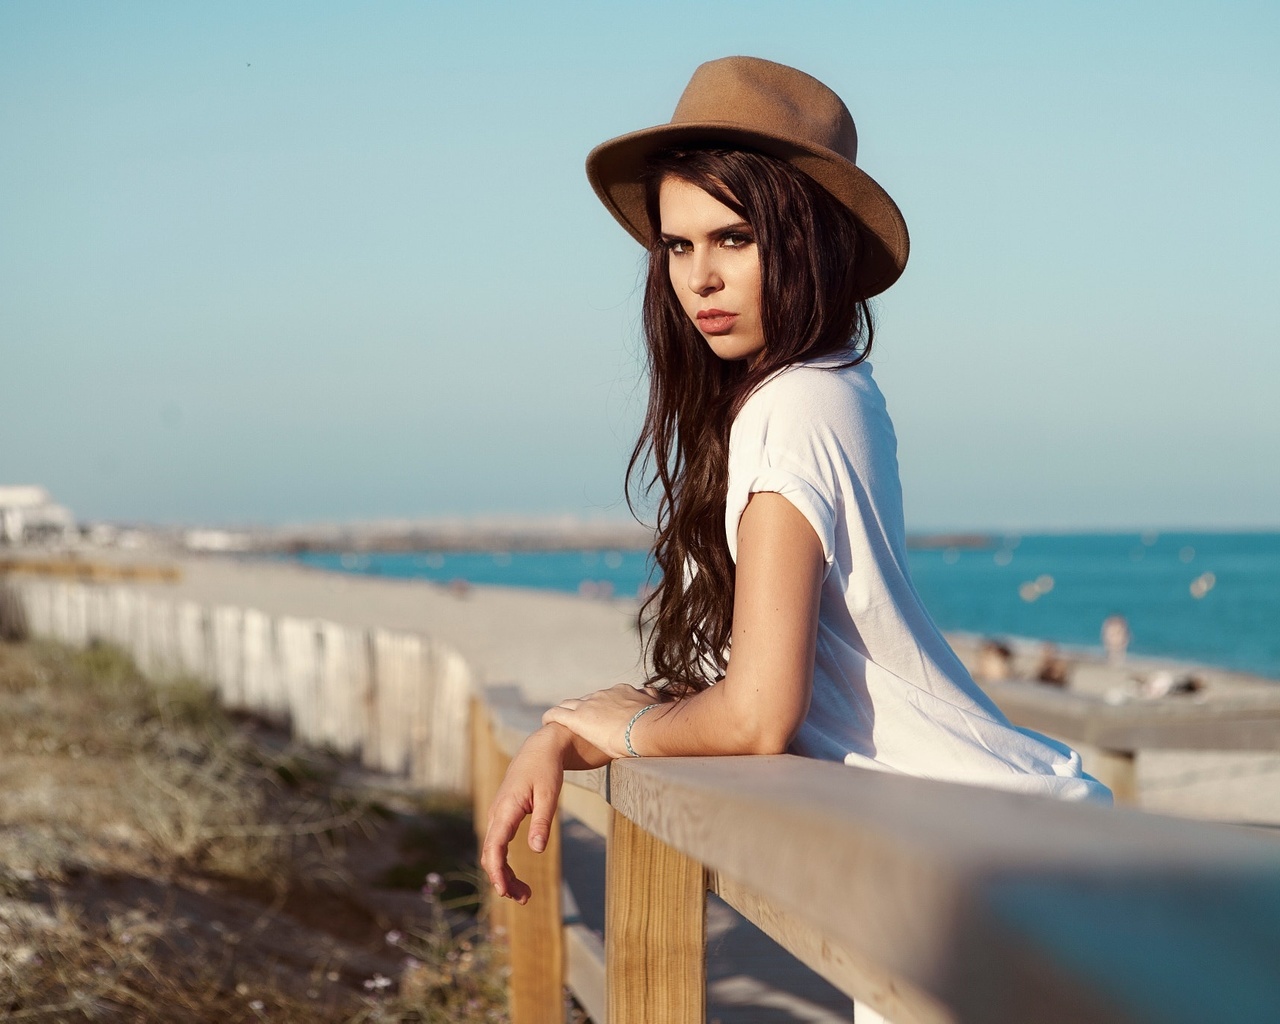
(510, 633)
(555, 645)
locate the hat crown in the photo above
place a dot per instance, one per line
(759, 95)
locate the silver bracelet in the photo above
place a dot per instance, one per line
(626, 736)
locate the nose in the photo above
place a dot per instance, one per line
(704, 275)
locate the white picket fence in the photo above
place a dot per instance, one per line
(397, 701)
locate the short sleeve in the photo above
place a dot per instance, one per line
(774, 446)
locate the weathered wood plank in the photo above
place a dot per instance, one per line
(850, 971)
(513, 720)
(488, 764)
(537, 933)
(936, 886)
(585, 969)
(585, 973)
(587, 806)
(594, 781)
(1172, 947)
(534, 932)
(1237, 724)
(448, 762)
(655, 930)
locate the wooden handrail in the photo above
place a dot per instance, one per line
(928, 901)
(1110, 736)
(1241, 723)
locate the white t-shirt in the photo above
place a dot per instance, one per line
(888, 691)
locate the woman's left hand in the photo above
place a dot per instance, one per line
(601, 718)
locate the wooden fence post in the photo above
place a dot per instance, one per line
(487, 768)
(534, 932)
(655, 930)
(1117, 769)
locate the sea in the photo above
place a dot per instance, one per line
(1209, 598)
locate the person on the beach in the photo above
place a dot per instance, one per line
(785, 619)
(1115, 638)
(995, 662)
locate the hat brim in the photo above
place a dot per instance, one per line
(616, 168)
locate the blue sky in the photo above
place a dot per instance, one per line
(296, 262)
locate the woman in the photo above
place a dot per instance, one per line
(780, 533)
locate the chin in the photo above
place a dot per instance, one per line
(731, 349)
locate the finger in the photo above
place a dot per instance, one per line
(544, 810)
(516, 889)
(504, 819)
(564, 705)
(493, 860)
(558, 716)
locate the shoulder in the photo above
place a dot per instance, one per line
(809, 396)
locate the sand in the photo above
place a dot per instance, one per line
(555, 645)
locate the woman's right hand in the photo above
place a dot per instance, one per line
(531, 788)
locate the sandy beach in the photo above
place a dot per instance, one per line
(554, 645)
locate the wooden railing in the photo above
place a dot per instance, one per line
(928, 902)
(1110, 737)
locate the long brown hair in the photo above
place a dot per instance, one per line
(810, 248)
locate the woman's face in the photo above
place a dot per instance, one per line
(714, 265)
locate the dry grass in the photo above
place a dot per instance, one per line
(160, 862)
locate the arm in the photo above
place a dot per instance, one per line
(755, 709)
(764, 696)
(531, 788)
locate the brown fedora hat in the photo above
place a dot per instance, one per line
(756, 104)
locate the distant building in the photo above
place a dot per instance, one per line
(28, 515)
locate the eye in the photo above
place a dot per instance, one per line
(679, 246)
(736, 240)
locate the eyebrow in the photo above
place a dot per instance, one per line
(728, 229)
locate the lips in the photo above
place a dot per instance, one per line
(715, 321)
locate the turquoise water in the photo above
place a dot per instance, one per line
(1058, 587)
(1152, 580)
(622, 573)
